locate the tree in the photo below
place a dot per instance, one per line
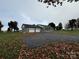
(72, 24)
(52, 25)
(13, 26)
(1, 26)
(10, 24)
(77, 22)
(55, 2)
(60, 26)
(57, 28)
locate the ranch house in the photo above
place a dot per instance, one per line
(31, 28)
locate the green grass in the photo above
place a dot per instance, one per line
(67, 32)
(10, 44)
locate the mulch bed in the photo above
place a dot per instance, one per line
(51, 51)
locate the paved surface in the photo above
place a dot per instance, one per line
(42, 38)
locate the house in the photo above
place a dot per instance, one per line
(31, 28)
(46, 28)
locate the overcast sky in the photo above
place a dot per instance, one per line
(34, 12)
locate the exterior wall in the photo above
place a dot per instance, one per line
(38, 30)
(34, 30)
(31, 29)
(25, 30)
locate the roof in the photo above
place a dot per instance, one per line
(31, 26)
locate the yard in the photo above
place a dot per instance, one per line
(68, 32)
(10, 44)
(39, 45)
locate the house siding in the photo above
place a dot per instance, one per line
(31, 29)
(38, 30)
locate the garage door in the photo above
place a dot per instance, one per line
(37, 30)
(31, 30)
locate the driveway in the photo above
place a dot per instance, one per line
(39, 39)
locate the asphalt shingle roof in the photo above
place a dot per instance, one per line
(31, 26)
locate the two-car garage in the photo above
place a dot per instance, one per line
(34, 30)
(31, 28)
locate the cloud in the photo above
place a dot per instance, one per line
(5, 28)
(34, 12)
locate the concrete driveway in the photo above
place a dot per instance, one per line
(41, 38)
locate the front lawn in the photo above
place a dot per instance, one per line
(67, 32)
(11, 47)
(10, 44)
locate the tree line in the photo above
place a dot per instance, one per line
(12, 26)
(71, 25)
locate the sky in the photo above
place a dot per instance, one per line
(34, 12)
